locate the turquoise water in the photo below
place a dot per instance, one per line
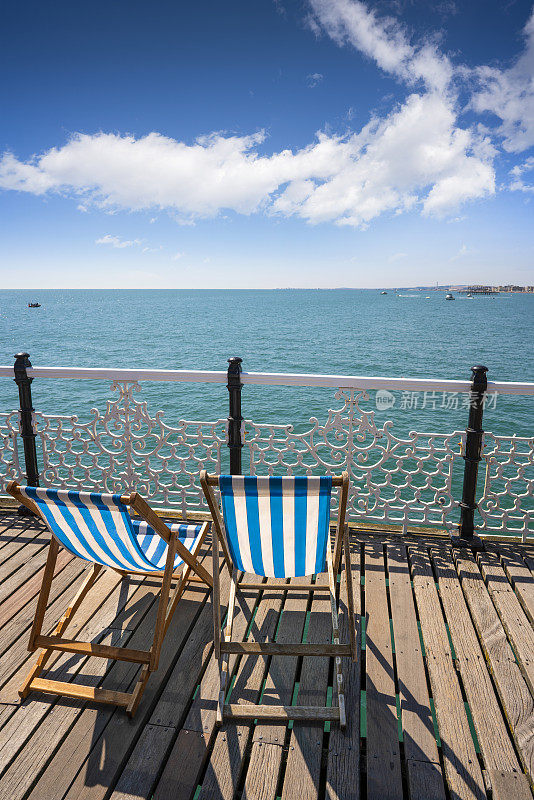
(346, 332)
(337, 331)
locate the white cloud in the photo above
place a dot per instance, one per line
(509, 94)
(177, 256)
(384, 40)
(314, 79)
(462, 252)
(416, 156)
(397, 257)
(114, 241)
(517, 184)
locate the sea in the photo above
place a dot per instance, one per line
(412, 333)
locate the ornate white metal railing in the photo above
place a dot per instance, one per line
(393, 480)
(125, 448)
(507, 500)
(399, 480)
(9, 453)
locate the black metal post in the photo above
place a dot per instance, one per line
(472, 456)
(235, 419)
(24, 382)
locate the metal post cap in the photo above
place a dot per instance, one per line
(479, 381)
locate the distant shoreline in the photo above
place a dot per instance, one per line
(495, 290)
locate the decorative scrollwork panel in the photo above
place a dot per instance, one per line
(507, 503)
(404, 481)
(126, 449)
(9, 454)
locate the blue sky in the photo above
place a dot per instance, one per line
(312, 143)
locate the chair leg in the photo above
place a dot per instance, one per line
(187, 575)
(223, 662)
(138, 691)
(44, 594)
(60, 627)
(160, 628)
(350, 594)
(335, 629)
(216, 598)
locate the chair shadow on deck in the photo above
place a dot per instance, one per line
(105, 732)
(22, 530)
(415, 772)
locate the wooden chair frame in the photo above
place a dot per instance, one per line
(224, 646)
(167, 603)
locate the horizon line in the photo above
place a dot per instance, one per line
(241, 288)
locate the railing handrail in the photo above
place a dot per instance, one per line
(272, 379)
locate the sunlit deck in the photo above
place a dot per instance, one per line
(439, 704)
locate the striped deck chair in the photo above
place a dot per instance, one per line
(278, 528)
(98, 528)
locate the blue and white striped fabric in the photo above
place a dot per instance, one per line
(277, 527)
(98, 528)
(155, 548)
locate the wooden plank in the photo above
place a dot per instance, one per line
(303, 767)
(17, 654)
(527, 554)
(343, 766)
(515, 623)
(17, 553)
(493, 737)
(416, 716)
(509, 785)
(18, 779)
(268, 740)
(29, 715)
(27, 588)
(18, 531)
(131, 599)
(383, 753)
(22, 576)
(513, 691)
(309, 714)
(145, 763)
(226, 760)
(519, 576)
(462, 770)
(21, 620)
(276, 649)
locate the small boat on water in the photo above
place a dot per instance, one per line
(449, 297)
(34, 305)
(383, 292)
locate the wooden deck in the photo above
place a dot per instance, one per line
(440, 703)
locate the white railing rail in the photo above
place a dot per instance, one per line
(272, 379)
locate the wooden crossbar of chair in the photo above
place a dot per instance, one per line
(224, 646)
(167, 603)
